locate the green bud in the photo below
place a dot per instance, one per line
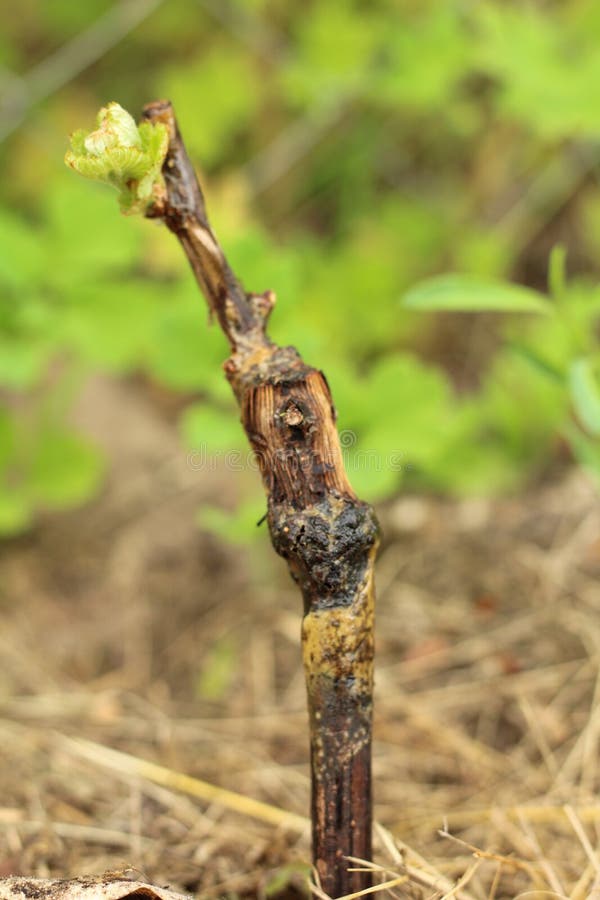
(127, 156)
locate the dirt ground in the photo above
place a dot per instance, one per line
(123, 626)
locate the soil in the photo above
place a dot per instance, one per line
(125, 625)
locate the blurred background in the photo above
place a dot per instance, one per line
(348, 152)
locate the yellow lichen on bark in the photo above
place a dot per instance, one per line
(337, 642)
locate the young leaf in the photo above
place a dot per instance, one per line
(585, 393)
(465, 293)
(121, 154)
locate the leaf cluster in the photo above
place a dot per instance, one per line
(124, 155)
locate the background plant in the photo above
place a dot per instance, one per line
(348, 154)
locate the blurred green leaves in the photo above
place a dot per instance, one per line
(546, 69)
(208, 428)
(333, 48)
(389, 445)
(584, 383)
(64, 470)
(394, 142)
(216, 96)
(42, 466)
(423, 61)
(464, 293)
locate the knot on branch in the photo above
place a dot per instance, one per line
(328, 547)
(262, 304)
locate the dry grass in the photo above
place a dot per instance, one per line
(488, 695)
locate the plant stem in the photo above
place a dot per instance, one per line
(328, 537)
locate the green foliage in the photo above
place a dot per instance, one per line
(584, 384)
(350, 153)
(42, 466)
(235, 526)
(553, 92)
(63, 470)
(387, 445)
(333, 48)
(464, 293)
(186, 354)
(424, 63)
(537, 379)
(124, 155)
(226, 111)
(215, 430)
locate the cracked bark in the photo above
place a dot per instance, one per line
(327, 535)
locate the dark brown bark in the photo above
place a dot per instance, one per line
(328, 536)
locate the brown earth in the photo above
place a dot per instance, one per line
(123, 624)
